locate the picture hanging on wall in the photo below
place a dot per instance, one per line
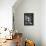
(28, 19)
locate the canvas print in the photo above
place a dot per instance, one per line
(28, 19)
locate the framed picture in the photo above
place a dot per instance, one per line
(28, 19)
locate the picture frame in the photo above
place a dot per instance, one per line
(28, 18)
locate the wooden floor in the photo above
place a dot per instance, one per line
(9, 43)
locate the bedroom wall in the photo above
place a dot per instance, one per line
(29, 32)
(43, 22)
(6, 13)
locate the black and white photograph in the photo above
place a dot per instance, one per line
(28, 19)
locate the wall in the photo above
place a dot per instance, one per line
(30, 32)
(6, 13)
(43, 22)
